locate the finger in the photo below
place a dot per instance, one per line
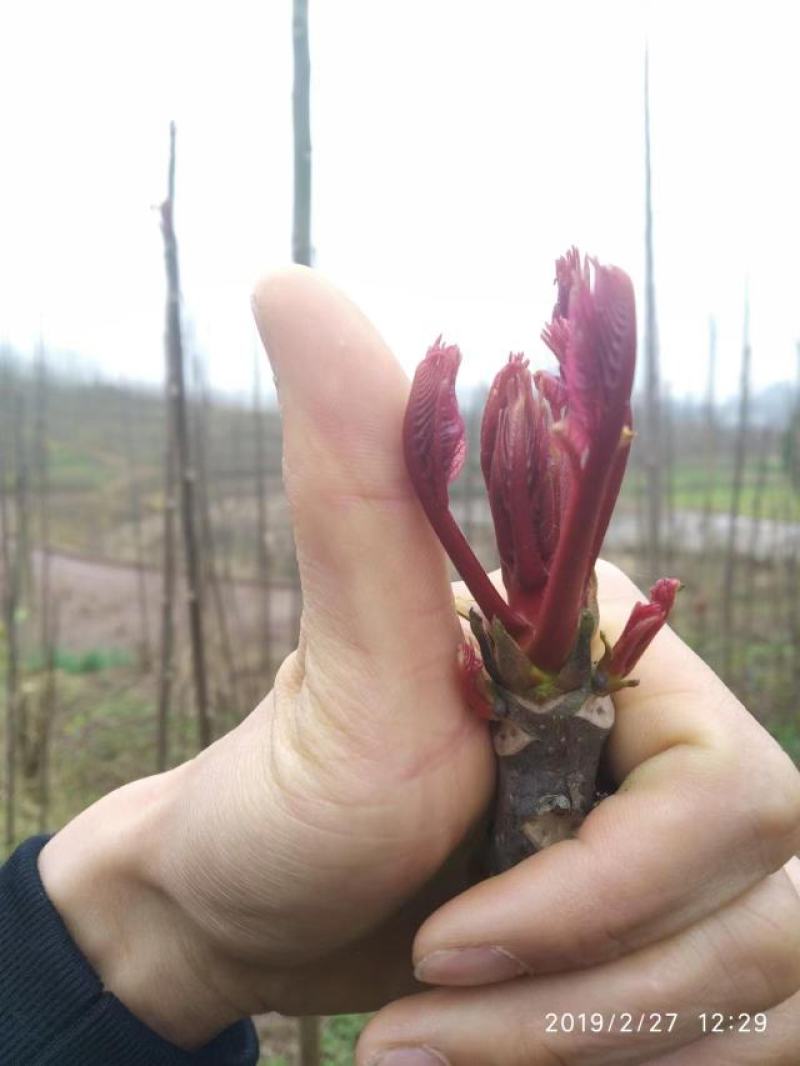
(679, 698)
(772, 1039)
(709, 804)
(375, 592)
(766, 1039)
(745, 958)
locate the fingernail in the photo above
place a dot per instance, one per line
(469, 966)
(409, 1056)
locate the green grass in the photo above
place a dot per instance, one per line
(72, 467)
(339, 1037)
(85, 662)
(691, 491)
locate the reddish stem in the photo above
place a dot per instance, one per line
(475, 577)
(570, 569)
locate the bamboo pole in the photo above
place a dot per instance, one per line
(10, 589)
(47, 698)
(262, 531)
(48, 710)
(727, 600)
(185, 470)
(201, 427)
(668, 439)
(301, 231)
(167, 641)
(21, 566)
(302, 253)
(135, 503)
(749, 626)
(309, 1028)
(652, 403)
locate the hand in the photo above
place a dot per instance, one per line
(289, 866)
(667, 903)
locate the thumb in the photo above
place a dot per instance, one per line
(376, 597)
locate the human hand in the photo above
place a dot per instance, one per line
(289, 866)
(666, 906)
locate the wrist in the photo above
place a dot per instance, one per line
(103, 875)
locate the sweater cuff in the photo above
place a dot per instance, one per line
(53, 1007)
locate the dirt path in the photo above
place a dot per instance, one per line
(98, 603)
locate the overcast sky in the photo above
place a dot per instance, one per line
(459, 146)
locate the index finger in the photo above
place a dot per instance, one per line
(708, 805)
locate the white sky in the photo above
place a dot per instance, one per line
(459, 146)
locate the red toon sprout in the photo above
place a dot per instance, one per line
(553, 454)
(645, 621)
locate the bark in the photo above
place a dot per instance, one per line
(548, 758)
(185, 469)
(548, 742)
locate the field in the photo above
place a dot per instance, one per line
(88, 697)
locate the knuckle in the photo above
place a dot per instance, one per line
(776, 811)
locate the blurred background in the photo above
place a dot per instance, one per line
(433, 158)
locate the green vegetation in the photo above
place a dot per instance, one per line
(691, 491)
(86, 662)
(339, 1036)
(787, 733)
(103, 726)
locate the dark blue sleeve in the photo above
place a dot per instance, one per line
(54, 1010)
